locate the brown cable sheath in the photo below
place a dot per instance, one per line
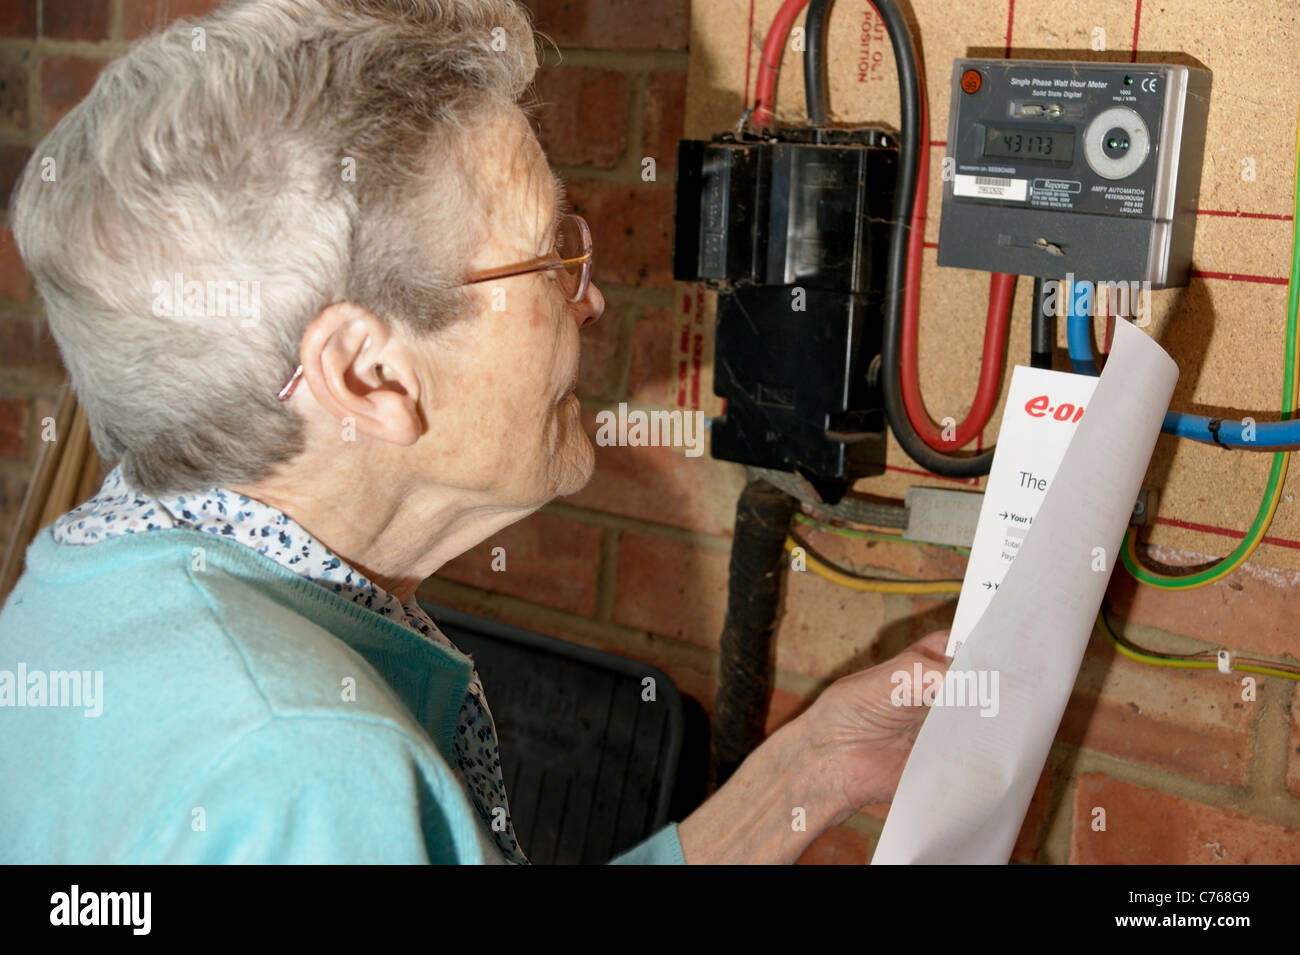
(745, 661)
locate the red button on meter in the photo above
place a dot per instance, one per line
(971, 81)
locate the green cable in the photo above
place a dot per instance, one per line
(1182, 662)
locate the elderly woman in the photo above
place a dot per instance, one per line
(318, 292)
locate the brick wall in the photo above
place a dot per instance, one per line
(636, 563)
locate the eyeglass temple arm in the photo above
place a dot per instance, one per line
(510, 271)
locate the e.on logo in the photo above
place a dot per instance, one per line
(1041, 407)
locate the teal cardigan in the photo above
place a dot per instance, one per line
(245, 714)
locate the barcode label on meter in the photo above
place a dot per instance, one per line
(990, 187)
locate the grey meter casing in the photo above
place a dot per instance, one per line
(1091, 169)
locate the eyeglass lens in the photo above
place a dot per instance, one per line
(569, 245)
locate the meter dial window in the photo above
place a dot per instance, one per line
(1116, 143)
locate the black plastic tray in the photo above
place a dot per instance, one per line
(589, 766)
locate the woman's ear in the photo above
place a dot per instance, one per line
(362, 374)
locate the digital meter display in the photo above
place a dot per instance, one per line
(1010, 142)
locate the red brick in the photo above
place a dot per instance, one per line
(784, 707)
(868, 557)
(1027, 842)
(13, 427)
(615, 24)
(598, 372)
(662, 485)
(552, 561)
(1190, 722)
(652, 352)
(583, 115)
(14, 283)
(826, 631)
(876, 637)
(65, 81)
(13, 87)
(631, 231)
(18, 18)
(75, 19)
(12, 160)
(665, 118)
(671, 589)
(1253, 609)
(145, 16)
(42, 408)
(26, 342)
(838, 845)
(1147, 827)
(931, 612)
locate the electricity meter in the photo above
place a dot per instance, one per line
(1070, 167)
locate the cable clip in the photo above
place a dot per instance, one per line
(1225, 661)
(1214, 426)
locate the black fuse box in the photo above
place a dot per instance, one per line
(793, 232)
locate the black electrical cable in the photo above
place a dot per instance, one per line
(1043, 331)
(909, 146)
(816, 82)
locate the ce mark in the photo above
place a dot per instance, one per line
(1149, 84)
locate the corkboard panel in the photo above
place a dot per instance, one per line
(1225, 330)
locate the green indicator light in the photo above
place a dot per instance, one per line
(1128, 81)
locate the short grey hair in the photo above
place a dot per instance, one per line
(305, 152)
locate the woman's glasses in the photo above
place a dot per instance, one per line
(570, 263)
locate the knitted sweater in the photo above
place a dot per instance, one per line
(175, 696)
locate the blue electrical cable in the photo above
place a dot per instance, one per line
(1268, 435)
(1264, 436)
(1078, 336)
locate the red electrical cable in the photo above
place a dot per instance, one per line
(1001, 287)
(769, 65)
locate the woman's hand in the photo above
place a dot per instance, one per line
(845, 752)
(863, 736)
